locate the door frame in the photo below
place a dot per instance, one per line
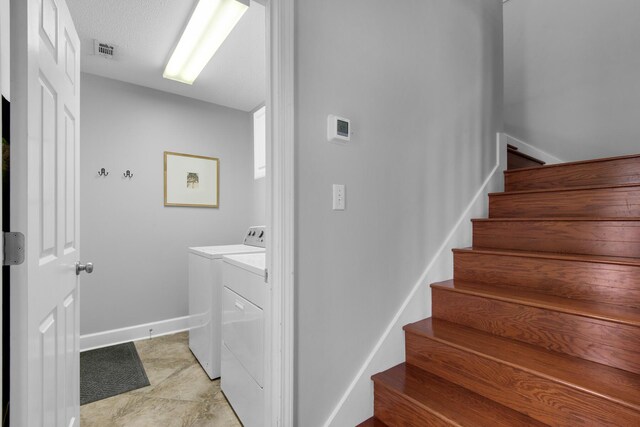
(4, 90)
(280, 211)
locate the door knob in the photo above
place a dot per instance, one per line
(88, 267)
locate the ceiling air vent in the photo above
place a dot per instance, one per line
(103, 49)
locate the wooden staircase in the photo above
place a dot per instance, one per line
(541, 322)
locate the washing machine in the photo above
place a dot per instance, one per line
(244, 298)
(205, 296)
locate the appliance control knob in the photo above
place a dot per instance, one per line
(261, 234)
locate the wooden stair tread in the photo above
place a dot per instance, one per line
(449, 401)
(614, 170)
(565, 189)
(579, 162)
(551, 255)
(372, 422)
(561, 218)
(609, 312)
(612, 384)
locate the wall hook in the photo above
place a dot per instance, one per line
(103, 172)
(128, 174)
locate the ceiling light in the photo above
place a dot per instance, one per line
(208, 27)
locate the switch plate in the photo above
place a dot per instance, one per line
(339, 197)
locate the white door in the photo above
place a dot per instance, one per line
(45, 70)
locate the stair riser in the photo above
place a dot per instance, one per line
(606, 283)
(600, 341)
(607, 238)
(515, 160)
(609, 172)
(540, 398)
(396, 410)
(602, 202)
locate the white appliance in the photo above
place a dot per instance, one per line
(243, 335)
(205, 297)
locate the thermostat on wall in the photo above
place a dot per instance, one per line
(338, 128)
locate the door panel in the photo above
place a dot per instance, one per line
(47, 191)
(49, 25)
(69, 183)
(71, 373)
(45, 322)
(48, 367)
(70, 59)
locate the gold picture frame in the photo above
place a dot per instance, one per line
(191, 181)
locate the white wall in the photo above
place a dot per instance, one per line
(259, 211)
(572, 68)
(421, 81)
(138, 245)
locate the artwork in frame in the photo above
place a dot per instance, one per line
(191, 180)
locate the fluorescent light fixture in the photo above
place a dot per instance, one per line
(208, 27)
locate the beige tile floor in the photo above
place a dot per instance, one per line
(181, 394)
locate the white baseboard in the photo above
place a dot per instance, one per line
(134, 333)
(356, 404)
(529, 149)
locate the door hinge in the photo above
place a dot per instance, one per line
(266, 275)
(13, 248)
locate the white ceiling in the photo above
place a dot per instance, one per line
(145, 33)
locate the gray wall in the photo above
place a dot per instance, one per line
(421, 81)
(572, 68)
(138, 245)
(259, 212)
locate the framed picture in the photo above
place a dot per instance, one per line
(191, 180)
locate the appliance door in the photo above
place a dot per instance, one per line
(243, 333)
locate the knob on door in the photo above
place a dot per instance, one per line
(88, 267)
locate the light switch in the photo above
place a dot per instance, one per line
(339, 197)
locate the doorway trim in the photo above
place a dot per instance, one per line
(4, 74)
(280, 210)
